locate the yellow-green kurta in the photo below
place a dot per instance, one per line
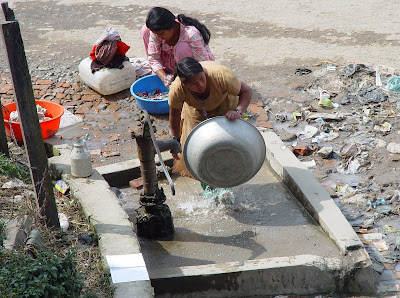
(223, 97)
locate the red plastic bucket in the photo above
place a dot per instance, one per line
(48, 127)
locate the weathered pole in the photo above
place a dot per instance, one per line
(3, 136)
(29, 120)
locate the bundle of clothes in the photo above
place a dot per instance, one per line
(14, 116)
(109, 51)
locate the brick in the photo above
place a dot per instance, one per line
(75, 103)
(90, 97)
(44, 87)
(83, 110)
(257, 103)
(4, 90)
(256, 110)
(76, 97)
(77, 87)
(36, 87)
(111, 154)
(113, 139)
(96, 152)
(90, 92)
(98, 134)
(48, 97)
(44, 82)
(66, 85)
(136, 183)
(263, 117)
(59, 90)
(114, 107)
(389, 266)
(265, 124)
(301, 148)
(60, 95)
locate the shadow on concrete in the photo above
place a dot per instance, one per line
(244, 240)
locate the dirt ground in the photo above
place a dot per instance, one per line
(264, 42)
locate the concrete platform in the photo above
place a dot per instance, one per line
(283, 234)
(261, 219)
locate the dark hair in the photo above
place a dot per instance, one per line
(160, 18)
(187, 68)
(194, 22)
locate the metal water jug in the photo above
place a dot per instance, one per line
(81, 160)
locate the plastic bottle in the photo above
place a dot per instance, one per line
(64, 224)
(324, 100)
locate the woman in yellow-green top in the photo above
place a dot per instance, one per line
(203, 90)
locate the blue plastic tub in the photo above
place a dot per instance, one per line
(150, 83)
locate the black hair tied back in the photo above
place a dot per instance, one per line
(187, 21)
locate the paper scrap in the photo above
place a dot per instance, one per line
(126, 268)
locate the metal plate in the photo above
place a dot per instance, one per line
(224, 153)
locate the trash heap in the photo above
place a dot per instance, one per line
(348, 135)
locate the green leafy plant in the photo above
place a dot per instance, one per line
(47, 275)
(13, 169)
(3, 234)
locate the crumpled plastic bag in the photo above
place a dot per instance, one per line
(393, 84)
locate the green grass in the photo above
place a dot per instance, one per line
(13, 169)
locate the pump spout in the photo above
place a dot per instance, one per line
(169, 144)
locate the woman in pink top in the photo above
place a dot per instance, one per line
(167, 39)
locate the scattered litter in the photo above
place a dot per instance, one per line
(384, 127)
(281, 117)
(302, 71)
(346, 191)
(64, 224)
(326, 116)
(373, 236)
(86, 238)
(380, 245)
(390, 229)
(393, 147)
(62, 186)
(358, 200)
(324, 100)
(309, 164)
(296, 116)
(393, 84)
(377, 202)
(325, 152)
(309, 131)
(16, 183)
(349, 167)
(300, 148)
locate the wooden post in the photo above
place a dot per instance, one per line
(9, 15)
(29, 121)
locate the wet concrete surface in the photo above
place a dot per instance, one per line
(261, 219)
